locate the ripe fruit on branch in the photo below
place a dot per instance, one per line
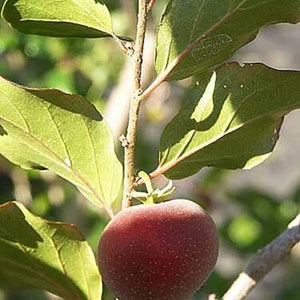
(161, 251)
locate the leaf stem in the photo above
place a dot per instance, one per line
(163, 76)
(129, 153)
(150, 5)
(119, 43)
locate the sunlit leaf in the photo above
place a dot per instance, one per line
(59, 18)
(230, 119)
(196, 35)
(46, 128)
(35, 253)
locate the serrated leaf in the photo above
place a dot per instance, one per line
(59, 18)
(196, 35)
(230, 119)
(63, 133)
(35, 253)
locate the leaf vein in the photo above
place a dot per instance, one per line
(59, 161)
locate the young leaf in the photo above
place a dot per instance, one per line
(63, 133)
(60, 18)
(231, 119)
(196, 35)
(35, 253)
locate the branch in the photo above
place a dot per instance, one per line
(266, 259)
(129, 146)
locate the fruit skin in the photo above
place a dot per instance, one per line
(158, 252)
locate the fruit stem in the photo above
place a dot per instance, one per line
(129, 148)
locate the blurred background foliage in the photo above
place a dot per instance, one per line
(248, 215)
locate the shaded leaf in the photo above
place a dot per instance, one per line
(35, 253)
(230, 119)
(196, 35)
(59, 18)
(63, 133)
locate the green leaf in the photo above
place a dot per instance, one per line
(196, 35)
(60, 18)
(35, 253)
(63, 133)
(230, 119)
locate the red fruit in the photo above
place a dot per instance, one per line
(158, 252)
